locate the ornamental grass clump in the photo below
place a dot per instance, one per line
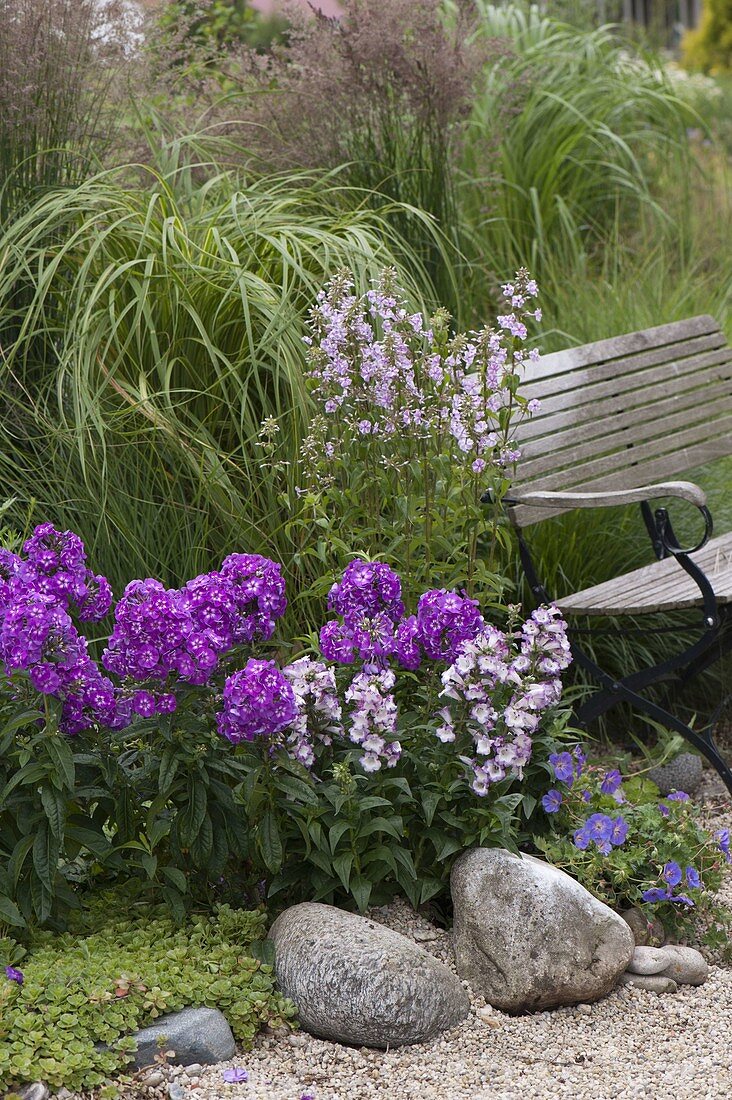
(630, 847)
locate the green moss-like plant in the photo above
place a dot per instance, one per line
(80, 991)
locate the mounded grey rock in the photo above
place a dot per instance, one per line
(527, 936)
(355, 981)
(195, 1035)
(652, 983)
(649, 960)
(687, 966)
(646, 933)
(683, 773)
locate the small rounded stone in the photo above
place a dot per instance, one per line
(687, 966)
(652, 983)
(649, 960)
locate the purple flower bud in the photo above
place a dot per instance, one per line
(14, 975)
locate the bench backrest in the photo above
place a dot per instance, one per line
(628, 411)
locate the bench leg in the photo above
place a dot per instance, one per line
(615, 691)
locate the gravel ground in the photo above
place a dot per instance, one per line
(631, 1044)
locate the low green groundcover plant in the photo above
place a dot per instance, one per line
(630, 847)
(68, 1003)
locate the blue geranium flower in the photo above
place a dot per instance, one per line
(671, 873)
(563, 765)
(551, 801)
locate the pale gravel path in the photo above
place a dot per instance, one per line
(632, 1044)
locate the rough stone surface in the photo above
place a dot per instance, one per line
(649, 960)
(357, 982)
(528, 936)
(195, 1035)
(687, 966)
(683, 773)
(646, 933)
(652, 983)
(37, 1091)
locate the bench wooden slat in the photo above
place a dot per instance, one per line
(670, 448)
(617, 434)
(545, 433)
(595, 397)
(661, 586)
(645, 474)
(560, 362)
(631, 369)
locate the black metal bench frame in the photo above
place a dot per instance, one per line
(528, 503)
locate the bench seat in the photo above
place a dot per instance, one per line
(660, 586)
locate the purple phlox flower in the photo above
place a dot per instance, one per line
(258, 702)
(693, 878)
(235, 1075)
(337, 643)
(678, 796)
(319, 711)
(365, 590)
(611, 782)
(563, 765)
(14, 975)
(723, 839)
(551, 801)
(671, 873)
(445, 620)
(406, 644)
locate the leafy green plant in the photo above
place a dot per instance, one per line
(82, 995)
(630, 848)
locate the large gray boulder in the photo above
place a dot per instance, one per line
(527, 936)
(357, 982)
(194, 1035)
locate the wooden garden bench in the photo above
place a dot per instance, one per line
(619, 421)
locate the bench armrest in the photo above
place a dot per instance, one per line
(685, 490)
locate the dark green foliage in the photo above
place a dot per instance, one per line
(96, 987)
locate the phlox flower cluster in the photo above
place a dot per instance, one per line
(163, 635)
(258, 702)
(55, 565)
(373, 626)
(672, 877)
(318, 708)
(498, 688)
(381, 376)
(37, 634)
(373, 718)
